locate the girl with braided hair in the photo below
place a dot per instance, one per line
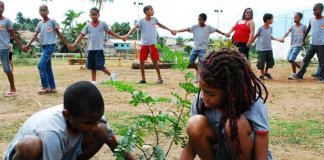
(229, 119)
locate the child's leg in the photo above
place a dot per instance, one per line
(261, 61)
(105, 70)
(192, 58)
(142, 66)
(308, 57)
(155, 59)
(30, 148)
(157, 68)
(93, 75)
(11, 65)
(4, 55)
(49, 70)
(42, 65)
(143, 57)
(246, 143)
(201, 139)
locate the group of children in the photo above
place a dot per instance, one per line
(229, 119)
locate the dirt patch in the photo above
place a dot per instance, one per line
(288, 100)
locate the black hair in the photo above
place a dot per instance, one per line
(319, 5)
(267, 16)
(299, 14)
(228, 70)
(44, 5)
(243, 17)
(146, 8)
(94, 9)
(203, 16)
(83, 98)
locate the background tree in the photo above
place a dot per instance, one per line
(187, 49)
(121, 29)
(180, 41)
(99, 3)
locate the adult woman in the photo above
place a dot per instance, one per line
(243, 32)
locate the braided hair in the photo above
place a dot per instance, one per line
(228, 70)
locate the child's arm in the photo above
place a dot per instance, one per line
(59, 34)
(182, 30)
(15, 37)
(261, 146)
(306, 33)
(131, 31)
(116, 35)
(277, 39)
(220, 32)
(173, 32)
(31, 40)
(252, 28)
(76, 42)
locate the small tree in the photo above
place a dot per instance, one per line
(187, 49)
(99, 3)
(163, 126)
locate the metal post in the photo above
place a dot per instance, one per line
(218, 12)
(138, 6)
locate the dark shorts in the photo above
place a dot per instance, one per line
(265, 57)
(145, 50)
(95, 60)
(243, 49)
(10, 56)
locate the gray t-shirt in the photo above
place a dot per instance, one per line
(257, 115)
(47, 31)
(96, 35)
(264, 39)
(317, 31)
(148, 30)
(297, 35)
(50, 126)
(5, 27)
(201, 35)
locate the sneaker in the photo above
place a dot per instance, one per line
(94, 82)
(113, 76)
(321, 80)
(292, 76)
(261, 78)
(159, 81)
(141, 81)
(268, 75)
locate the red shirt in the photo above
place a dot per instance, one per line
(242, 32)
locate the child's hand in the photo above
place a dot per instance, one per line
(249, 44)
(174, 32)
(71, 47)
(25, 48)
(124, 38)
(227, 35)
(281, 40)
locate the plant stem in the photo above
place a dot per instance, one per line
(142, 151)
(155, 129)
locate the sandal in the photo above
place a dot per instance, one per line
(159, 81)
(51, 91)
(43, 91)
(10, 94)
(141, 82)
(268, 75)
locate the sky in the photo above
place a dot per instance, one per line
(175, 14)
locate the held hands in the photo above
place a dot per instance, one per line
(124, 38)
(71, 47)
(25, 48)
(173, 32)
(281, 40)
(227, 35)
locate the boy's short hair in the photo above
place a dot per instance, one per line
(267, 16)
(82, 98)
(94, 9)
(299, 14)
(319, 5)
(146, 8)
(203, 16)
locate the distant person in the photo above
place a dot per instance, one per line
(229, 119)
(201, 32)
(48, 29)
(10, 56)
(298, 31)
(96, 30)
(317, 43)
(264, 47)
(148, 40)
(243, 32)
(7, 32)
(77, 129)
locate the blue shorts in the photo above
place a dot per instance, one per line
(95, 60)
(196, 53)
(293, 53)
(4, 56)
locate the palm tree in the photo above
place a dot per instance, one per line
(99, 3)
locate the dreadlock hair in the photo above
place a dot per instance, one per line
(228, 70)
